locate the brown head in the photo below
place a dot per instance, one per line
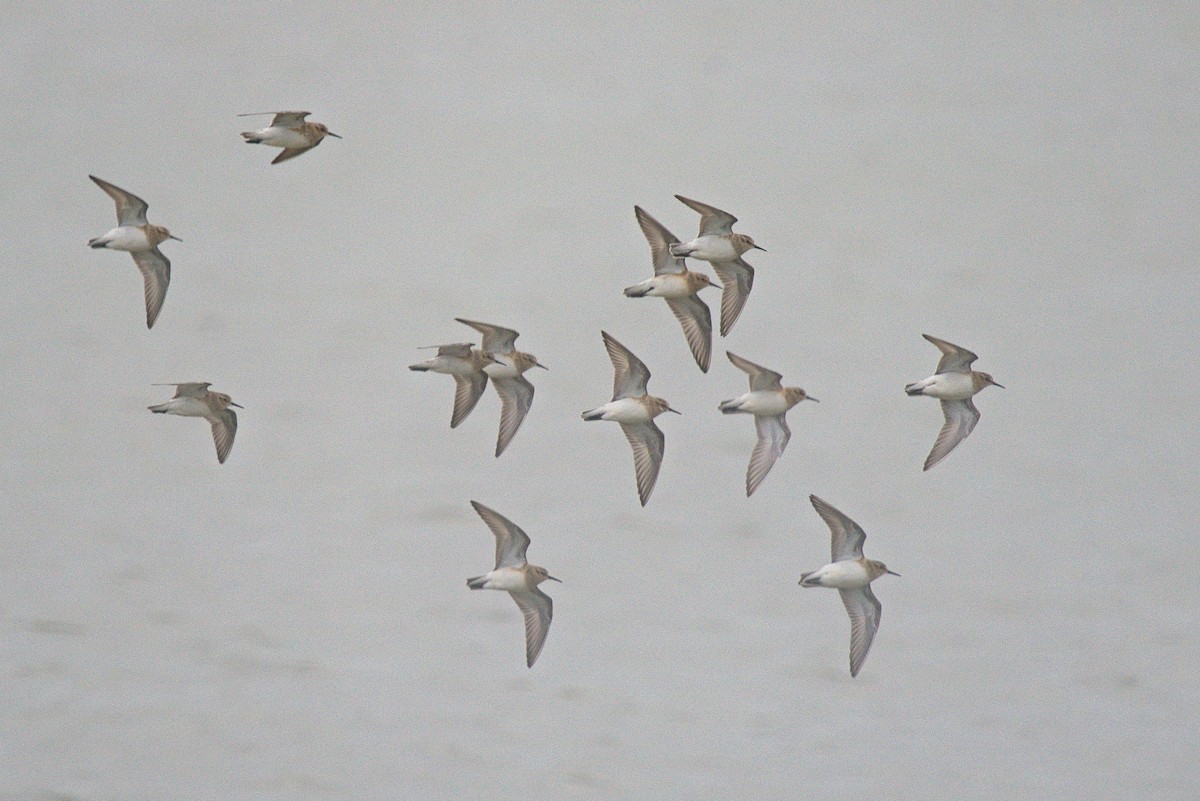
(539, 574)
(523, 361)
(322, 130)
(156, 234)
(982, 380)
(742, 243)
(876, 569)
(657, 406)
(698, 281)
(794, 395)
(222, 401)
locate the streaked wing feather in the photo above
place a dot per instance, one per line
(693, 314)
(760, 377)
(288, 119)
(648, 445)
(292, 152)
(467, 391)
(660, 240)
(511, 541)
(516, 396)
(224, 429)
(738, 278)
(773, 436)
(156, 277)
(847, 536)
(538, 609)
(961, 417)
(496, 339)
(954, 359)
(712, 219)
(131, 209)
(630, 374)
(865, 611)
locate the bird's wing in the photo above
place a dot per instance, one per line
(467, 391)
(511, 541)
(738, 278)
(760, 377)
(516, 396)
(848, 536)
(864, 610)
(495, 338)
(630, 374)
(191, 389)
(773, 436)
(156, 277)
(131, 209)
(712, 219)
(288, 119)
(224, 428)
(660, 240)
(692, 313)
(292, 152)
(954, 359)
(961, 417)
(648, 444)
(538, 609)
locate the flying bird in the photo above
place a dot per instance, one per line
(721, 247)
(635, 411)
(289, 131)
(768, 400)
(518, 578)
(954, 384)
(851, 574)
(141, 240)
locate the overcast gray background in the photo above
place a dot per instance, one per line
(295, 625)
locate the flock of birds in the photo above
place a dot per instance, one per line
(954, 383)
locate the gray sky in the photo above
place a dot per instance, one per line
(294, 624)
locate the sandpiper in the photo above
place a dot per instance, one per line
(464, 362)
(518, 578)
(678, 285)
(721, 247)
(506, 372)
(141, 240)
(193, 399)
(635, 411)
(851, 574)
(953, 384)
(289, 131)
(768, 400)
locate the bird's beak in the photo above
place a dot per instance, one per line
(539, 364)
(552, 578)
(669, 409)
(811, 398)
(994, 384)
(172, 236)
(331, 133)
(893, 573)
(756, 247)
(240, 406)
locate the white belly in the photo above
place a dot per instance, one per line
(711, 247)
(128, 238)
(187, 407)
(283, 137)
(949, 386)
(846, 575)
(506, 578)
(626, 410)
(764, 401)
(506, 368)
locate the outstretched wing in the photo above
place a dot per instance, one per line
(712, 219)
(961, 417)
(511, 541)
